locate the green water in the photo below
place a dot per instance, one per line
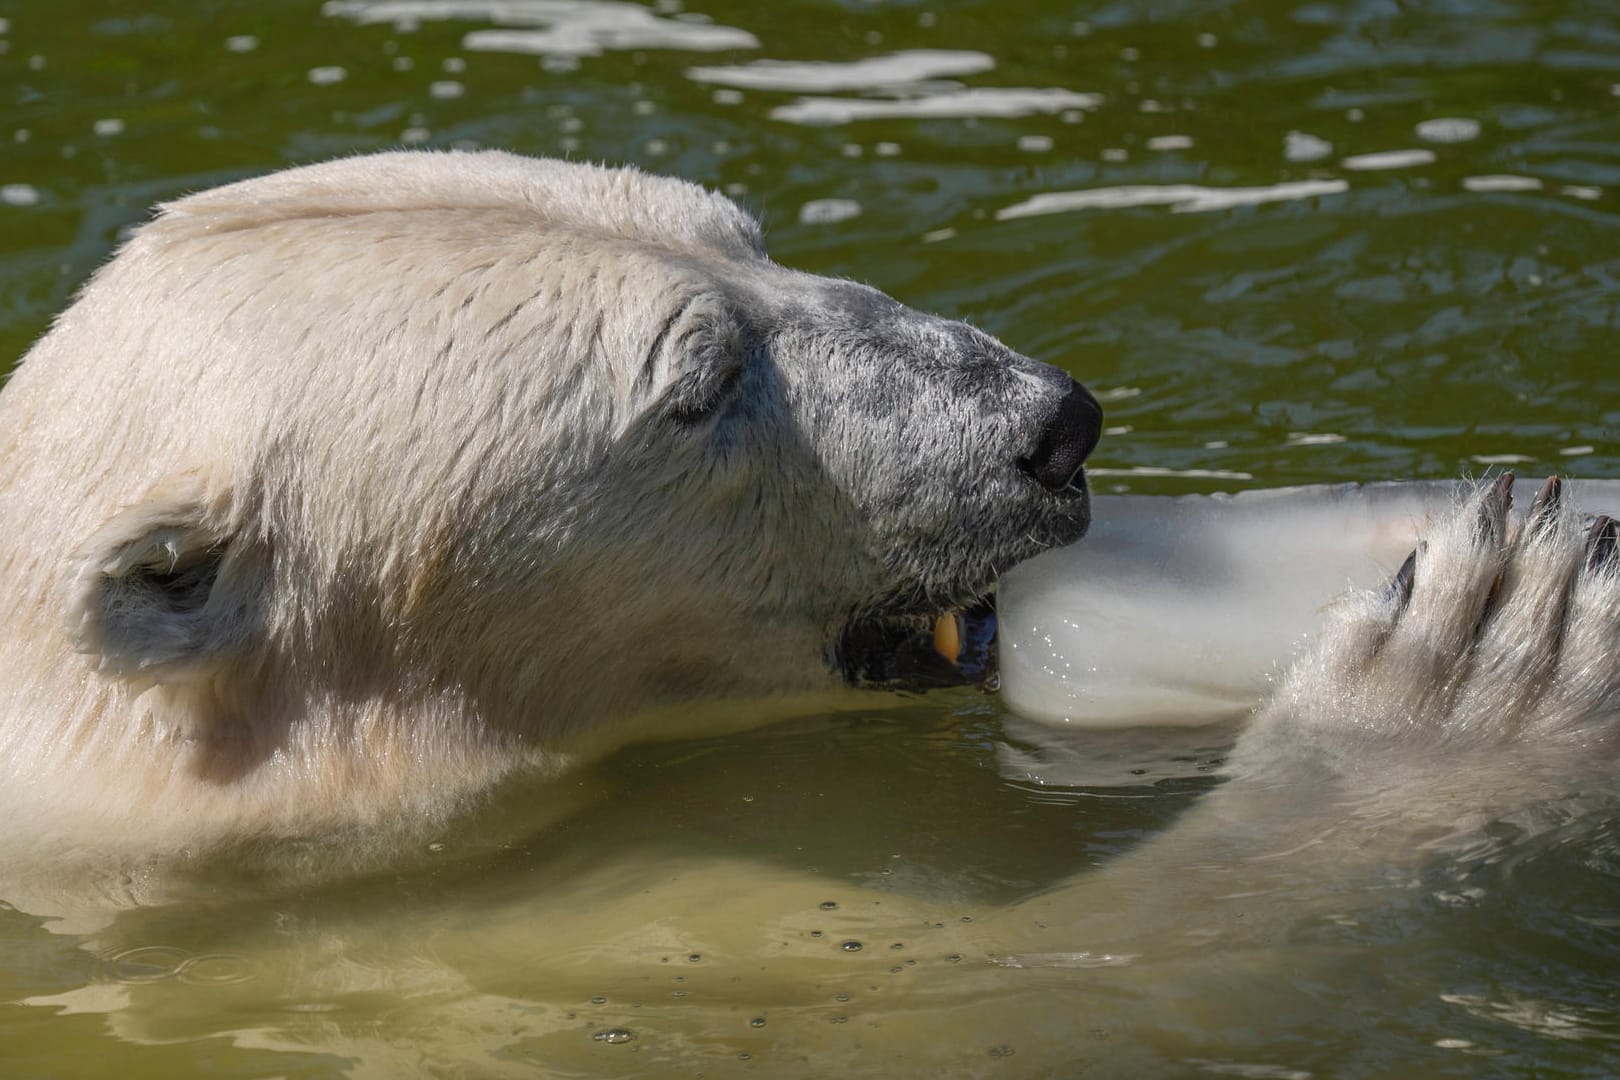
(1256, 301)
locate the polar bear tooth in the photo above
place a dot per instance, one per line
(948, 636)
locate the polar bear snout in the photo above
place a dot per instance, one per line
(1068, 435)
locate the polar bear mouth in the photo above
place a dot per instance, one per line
(921, 651)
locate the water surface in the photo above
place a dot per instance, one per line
(1285, 242)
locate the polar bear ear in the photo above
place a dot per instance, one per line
(158, 593)
(699, 359)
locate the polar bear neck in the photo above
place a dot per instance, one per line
(247, 760)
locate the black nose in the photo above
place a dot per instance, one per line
(1068, 437)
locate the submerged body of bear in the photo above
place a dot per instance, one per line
(360, 485)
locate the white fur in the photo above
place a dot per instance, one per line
(1408, 726)
(361, 485)
(1508, 647)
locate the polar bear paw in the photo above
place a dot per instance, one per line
(1499, 628)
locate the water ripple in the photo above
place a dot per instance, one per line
(907, 67)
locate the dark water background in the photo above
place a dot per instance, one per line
(1285, 242)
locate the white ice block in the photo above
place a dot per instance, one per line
(1181, 609)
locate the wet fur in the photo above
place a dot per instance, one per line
(1481, 686)
(341, 493)
(1500, 635)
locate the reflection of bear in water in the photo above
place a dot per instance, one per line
(363, 484)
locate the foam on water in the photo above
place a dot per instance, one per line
(551, 27)
(1180, 198)
(978, 101)
(904, 68)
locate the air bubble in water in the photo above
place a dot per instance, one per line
(614, 1035)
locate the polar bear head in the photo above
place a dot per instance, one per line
(521, 445)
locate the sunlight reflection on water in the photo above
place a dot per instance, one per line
(1296, 242)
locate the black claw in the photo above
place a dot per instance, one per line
(1493, 509)
(1402, 585)
(1549, 496)
(1544, 507)
(1600, 543)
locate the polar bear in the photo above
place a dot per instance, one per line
(341, 493)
